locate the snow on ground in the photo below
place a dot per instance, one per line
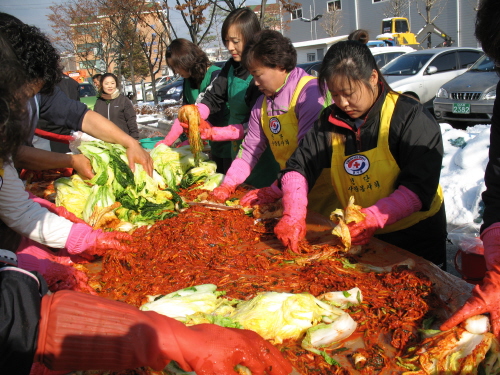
(462, 174)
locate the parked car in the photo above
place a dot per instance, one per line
(88, 94)
(421, 73)
(469, 98)
(172, 91)
(311, 68)
(384, 55)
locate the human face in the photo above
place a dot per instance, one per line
(179, 71)
(354, 98)
(96, 83)
(267, 79)
(109, 85)
(234, 42)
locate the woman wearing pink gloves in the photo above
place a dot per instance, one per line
(486, 296)
(235, 88)
(279, 119)
(71, 331)
(383, 148)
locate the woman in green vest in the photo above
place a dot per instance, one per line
(383, 148)
(191, 63)
(235, 87)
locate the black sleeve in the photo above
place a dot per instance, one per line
(417, 146)
(60, 110)
(70, 87)
(20, 298)
(216, 96)
(491, 197)
(314, 152)
(130, 118)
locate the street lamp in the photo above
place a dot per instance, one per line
(311, 20)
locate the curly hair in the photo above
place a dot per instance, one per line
(14, 94)
(33, 50)
(183, 54)
(271, 49)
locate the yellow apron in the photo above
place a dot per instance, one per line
(282, 134)
(371, 175)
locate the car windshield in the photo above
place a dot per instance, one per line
(87, 90)
(484, 64)
(406, 65)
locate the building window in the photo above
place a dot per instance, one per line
(297, 14)
(334, 5)
(311, 57)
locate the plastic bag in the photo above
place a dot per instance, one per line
(466, 237)
(78, 138)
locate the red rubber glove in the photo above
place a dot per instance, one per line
(83, 332)
(58, 210)
(261, 196)
(174, 134)
(82, 238)
(236, 175)
(56, 270)
(400, 204)
(485, 296)
(292, 226)
(224, 133)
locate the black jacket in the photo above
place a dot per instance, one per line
(121, 112)
(491, 197)
(216, 97)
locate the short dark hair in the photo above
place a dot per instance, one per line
(488, 29)
(106, 75)
(359, 35)
(34, 51)
(270, 48)
(246, 21)
(190, 58)
(13, 97)
(97, 76)
(352, 60)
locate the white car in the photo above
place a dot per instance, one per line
(421, 73)
(384, 55)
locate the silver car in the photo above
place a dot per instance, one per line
(468, 98)
(421, 73)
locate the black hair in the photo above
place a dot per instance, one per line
(106, 75)
(35, 53)
(488, 29)
(270, 48)
(359, 35)
(97, 76)
(14, 93)
(352, 60)
(247, 22)
(189, 57)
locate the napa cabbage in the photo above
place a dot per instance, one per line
(72, 193)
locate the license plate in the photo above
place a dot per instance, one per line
(461, 108)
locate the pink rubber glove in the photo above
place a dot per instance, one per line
(400, 204)
(292, 226)
(78, 331)
(174, 134)
(261, 196)
(204, 110)
(236, 175)
(82, 238)
(485, 296)
(224, 133)
(58, 210)
(56, 270)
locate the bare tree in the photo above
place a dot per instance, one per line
(78, 28)
(426, 7)
(331, 22)
(396, 8)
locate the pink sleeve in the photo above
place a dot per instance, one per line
(255, 141)
(309, 106)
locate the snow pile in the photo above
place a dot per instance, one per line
(462, 174)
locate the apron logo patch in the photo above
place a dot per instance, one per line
(356, 165)
(274, 125)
